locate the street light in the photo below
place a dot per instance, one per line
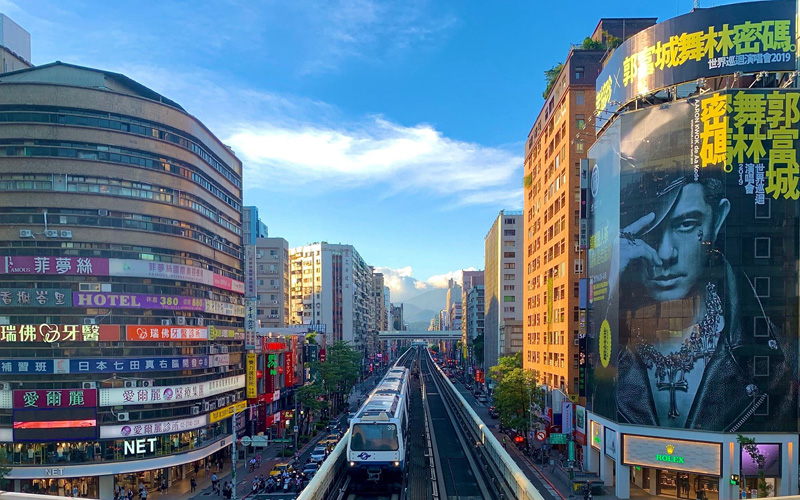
(233, 446)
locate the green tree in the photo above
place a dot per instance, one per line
(527, 181)
(308, 399)
(550, 77)
(339, 373)
(4, 483)
(311, 337)
(749, 445)
(514, 396)
(590, 44)
(477, 349)
(505, 365)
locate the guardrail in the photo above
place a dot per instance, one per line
(329, 475)
(504, 466)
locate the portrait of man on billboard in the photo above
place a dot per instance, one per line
(696, 346)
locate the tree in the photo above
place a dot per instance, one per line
(477, 349)
(550, 77)
(339, 372)
(590, 44)
(505, 365)
(749, 445)
(4, 483)
(515, 395)
(311, 337)
(308, 399)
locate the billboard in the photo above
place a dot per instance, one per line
(45, 332)
(35, 297)
(55, 398)
(693, 291)
(55, 424)
(86, 266)
(744, 37)
(144, 333)
(137, 301)
(772, 461)
(252, 389)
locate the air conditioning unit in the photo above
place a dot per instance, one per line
(274, 301)
(102, 212)
(129, 383)
(258, 256)
(89, 287)
(200, 321)
(25, 233)
(5, 386)
(180, 320)
(105, 287)
(212, 406)
(89, 321)
(210, 294)
(89, 385)
(123, 416)
(51, 233)
(66, 234)
(5, 320)
(221, 402)
(195, 410)
(275, 287)
(206, 406)
(147, 383)
(166, 322)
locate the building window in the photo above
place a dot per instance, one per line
(762, 247)
(509, 232)
(761, 284)
(764, 211)
(508, 288)
(509, 298)
(579, 72)
(509, 221)
(509, 265)
(509, 255)
(580, 122)
(579, 146)
(508, 277)
(508, 243)
(578, 265)
(580, 98)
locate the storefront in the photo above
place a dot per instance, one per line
(673, 467)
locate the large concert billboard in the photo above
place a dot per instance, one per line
(738, 38)
(693, 264)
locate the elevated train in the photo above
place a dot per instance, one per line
(376, 450)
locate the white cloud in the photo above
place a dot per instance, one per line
(403, 285)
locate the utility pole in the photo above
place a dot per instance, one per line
(234, 450)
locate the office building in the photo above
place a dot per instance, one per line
(252, 227)
(503, 287)
(122, 308)
(272, 258)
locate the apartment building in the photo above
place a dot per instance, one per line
(554, 258)
(272, 282)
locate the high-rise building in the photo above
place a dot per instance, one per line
(15, 46)
(503, 287)
(453, 307)
(252, 227)
(691, 373)
(272, 278)
(554, 256)
(331, 284)
(472, 321)
(397, 317)
(121, 228)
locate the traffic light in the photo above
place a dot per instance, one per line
(735, 479)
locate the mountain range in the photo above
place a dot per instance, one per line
(421, 308)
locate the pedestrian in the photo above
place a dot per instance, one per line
(193, 482)
(196, 468)
(144, 494)
(214, 481)
(504, 442)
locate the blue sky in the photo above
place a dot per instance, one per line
(395, 126)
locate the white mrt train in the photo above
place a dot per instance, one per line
(379, 430)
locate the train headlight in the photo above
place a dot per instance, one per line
(397, 464)
(352, 464)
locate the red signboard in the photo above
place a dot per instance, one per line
(58, 333)
(288, 371)
(322, 355)
(172, 333)
(55, 398)
(274, 346)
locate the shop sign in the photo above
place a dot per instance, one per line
(610, 442)
(252, 389)
(250, 271)
(580, 424)
(228, 411)
(676, 454)
(172, 333)
(152, 429)
(55, 398)
(566, 417)
(215, 332)
(597, 429)
(58, 333)
(224, 308)
(219, 359)
(274, 346)
(137, 301)
(160, 270)
(139, 446)
(169, 394)
(289, 365)
(272, 364)
(97, 365)
(250, 323)
(35, 297)
(70, 266)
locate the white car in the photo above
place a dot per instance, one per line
(318, 455)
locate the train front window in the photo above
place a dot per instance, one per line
(374, 437)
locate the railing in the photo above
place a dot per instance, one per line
(502, 464)
(329, 475)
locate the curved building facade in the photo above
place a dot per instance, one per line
(121, 310)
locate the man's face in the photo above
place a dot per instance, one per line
(682, 241)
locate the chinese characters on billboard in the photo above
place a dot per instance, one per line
(693, 291)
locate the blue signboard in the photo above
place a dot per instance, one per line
(101, 365)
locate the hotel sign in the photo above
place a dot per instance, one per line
(674, 454)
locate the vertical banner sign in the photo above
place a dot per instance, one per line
(250, 271)
(289, 364)
(566, 417)
(250, 324)
(252, 390)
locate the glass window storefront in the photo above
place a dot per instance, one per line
(86, 487)
(113, 450)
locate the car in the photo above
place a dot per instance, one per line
(493, 412)
(482, 398)
(319, 454)
(310, 469)
(332, 438)
(280, 469)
